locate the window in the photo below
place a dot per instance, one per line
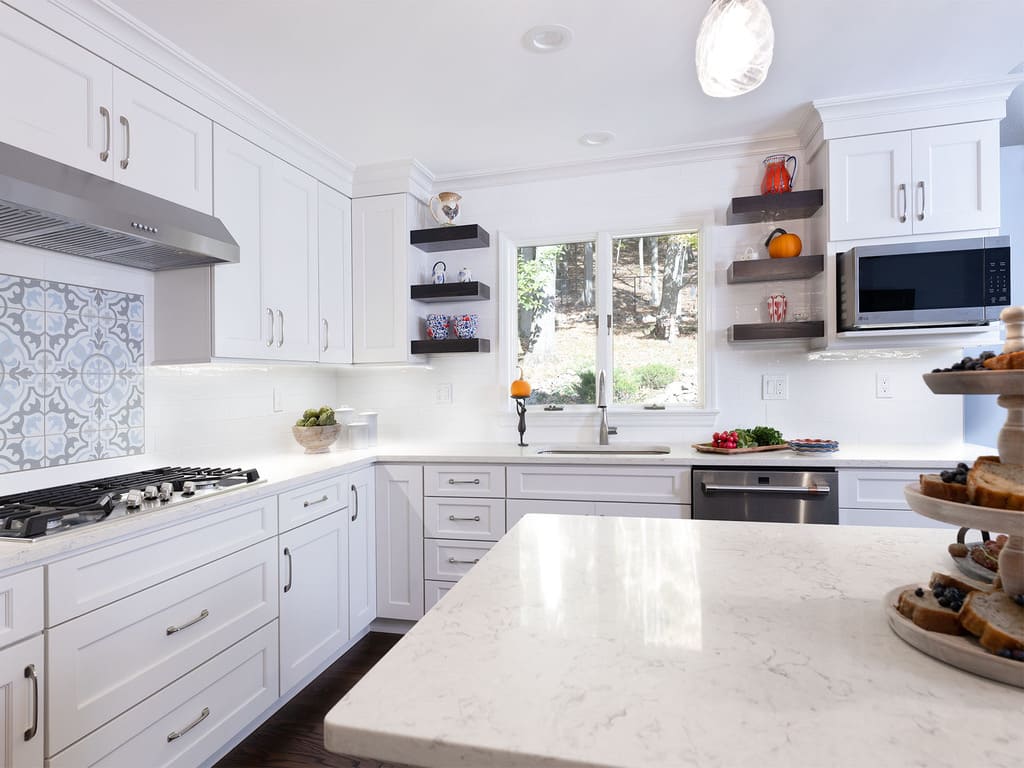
(629, 305)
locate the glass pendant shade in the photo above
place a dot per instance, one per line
(734, 47)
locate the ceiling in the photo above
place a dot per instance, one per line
(451, 84)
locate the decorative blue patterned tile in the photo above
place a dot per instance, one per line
(136, 308)
(21, 453)
(21, 407)
(93, 345)
(21, 293)
(128, 442)
(22, 342)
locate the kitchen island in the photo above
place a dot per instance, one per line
(590, 641)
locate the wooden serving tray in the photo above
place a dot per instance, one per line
(960, 651)
(709, 448)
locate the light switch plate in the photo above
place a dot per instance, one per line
(278, 400)
(443, 394)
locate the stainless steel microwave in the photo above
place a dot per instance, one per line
(948, 282)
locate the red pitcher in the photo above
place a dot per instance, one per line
(777, 177)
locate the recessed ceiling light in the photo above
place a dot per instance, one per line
(547, 38)
(596, 138)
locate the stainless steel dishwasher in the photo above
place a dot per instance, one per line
(766, 495)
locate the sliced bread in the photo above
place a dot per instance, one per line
(990, 484)
(924, 609)
(936, 487)
(1005, 362)
(995, 619)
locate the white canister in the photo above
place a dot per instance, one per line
(345, 415)
(358, 435)
(370, 417)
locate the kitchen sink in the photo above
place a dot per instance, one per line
(616, 449)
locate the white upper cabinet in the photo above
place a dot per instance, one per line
(929, 180)
(335, 271)
(66, 104)
(265, 306)
(57, 96)
(161, 146)
(380, 279)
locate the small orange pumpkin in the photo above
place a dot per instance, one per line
(521, 387)
(782, 244)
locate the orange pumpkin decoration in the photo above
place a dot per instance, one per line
(521, 387)
(782, 244)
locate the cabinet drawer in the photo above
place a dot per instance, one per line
(480, 519)
(103, 663)
(517, 508)
(600, 483)
(463, 480)
(890, 518)
(445, 560)
(230, 689)
(434, 591)
(21, 605)
(312, 501)
(876, 488)
(94, 579)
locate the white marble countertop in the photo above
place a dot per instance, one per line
(590, 641)
(281, 471)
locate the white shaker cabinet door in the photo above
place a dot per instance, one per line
(243, 321)
(314, 596)
(334, 232)
(161, 146)
(956, 177)
(380, 279)
(21, 689)
(869, 183)
(399, 542)
(362, 560)
(57, 96)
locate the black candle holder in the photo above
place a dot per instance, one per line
(521, 410)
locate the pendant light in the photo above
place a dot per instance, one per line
(734, 47)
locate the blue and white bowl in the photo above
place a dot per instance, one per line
(437, 326)
(466, 325)
(812, 445)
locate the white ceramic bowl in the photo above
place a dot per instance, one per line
(316, 439)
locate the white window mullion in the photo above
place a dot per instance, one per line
(603, 261)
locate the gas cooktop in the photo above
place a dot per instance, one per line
(35, 514)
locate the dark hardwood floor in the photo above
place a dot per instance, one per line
(294, 736)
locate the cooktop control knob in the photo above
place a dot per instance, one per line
(166, 491)
(188, 488)
(150, 492)
(133, 499)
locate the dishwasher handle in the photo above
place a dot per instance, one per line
(818, 489)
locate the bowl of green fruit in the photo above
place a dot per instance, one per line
(316, 430)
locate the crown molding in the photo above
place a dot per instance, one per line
(107, 31)
(909, 109)
(407, 176)
(687, 153)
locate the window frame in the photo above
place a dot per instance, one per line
(508, 245)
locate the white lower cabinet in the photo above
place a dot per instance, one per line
(652, 485)
(434, 591)
(362, 560)
(399, 542)
(517, 508)
(314, 595)
(104, 662)
(448, 560)
(189, 720)
(875, 497)
(21, 704)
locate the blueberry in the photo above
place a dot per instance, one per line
(962, 466)
(919, 592)
(956, 605)
(938, 590)
(986, 355)
(1006, 653)
(1018, 655)
(946, 475)
(944, 601)
(1019, 600)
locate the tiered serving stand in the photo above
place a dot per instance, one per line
(964, 652)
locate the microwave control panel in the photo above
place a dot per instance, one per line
(997, 277)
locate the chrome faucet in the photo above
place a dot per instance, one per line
(602, 405)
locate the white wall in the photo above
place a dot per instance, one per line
(831, 395)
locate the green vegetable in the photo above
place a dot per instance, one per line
(311, 421)
(310, 413)
(744, 439)
(324, 410)
(327, 419)
(300, 423)
(766, 436)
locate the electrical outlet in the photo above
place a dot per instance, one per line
(278, 400)
(883, 385)
(774, 387)
(443, 394)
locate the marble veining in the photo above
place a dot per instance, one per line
(589, 641)
(71, 374)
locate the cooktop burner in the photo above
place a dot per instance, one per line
(49, 511)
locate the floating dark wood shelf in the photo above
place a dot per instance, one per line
(454, 238)
(763, 270)
(806, 329)
(781, 207)
(472, 291)
(435, 346)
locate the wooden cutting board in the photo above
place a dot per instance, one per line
(709, 448)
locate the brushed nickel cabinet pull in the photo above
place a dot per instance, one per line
(453, 481)
(178, 734)
(127, 142)
(172, 629)
(920, 216)
(105, 114)
(453, 561)
(288, 554)
(321, 500)
(355, 492)
(280, 340)
(326, 330)
(473, 519)
(270, 337)
(902, 191)
(30, 673)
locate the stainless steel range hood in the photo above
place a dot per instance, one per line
(46, 204)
